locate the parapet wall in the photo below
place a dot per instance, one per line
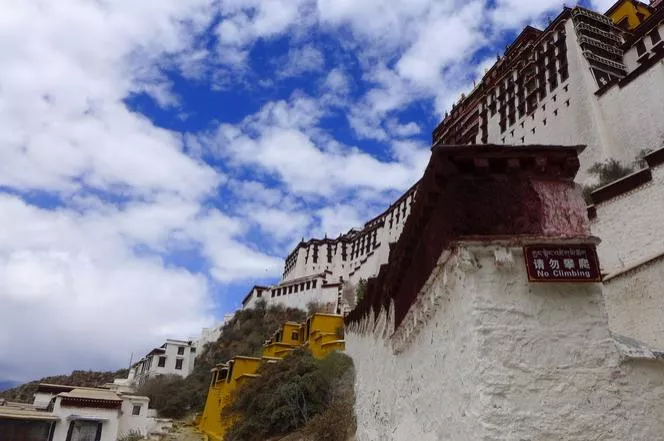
(453, 342)
(628, 216)
(485, 355)
(469, 191)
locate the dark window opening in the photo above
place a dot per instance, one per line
(181, 350)
(640, 48)
(655, 37)
(295, 336)
(161, 362)
(178, 363)
(136, 410)
(80, 430)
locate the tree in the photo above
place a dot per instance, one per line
(288, 395)
(606, 172)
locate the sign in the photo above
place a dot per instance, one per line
(562, 263)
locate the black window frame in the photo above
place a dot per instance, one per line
(180, 362)
(162, 361)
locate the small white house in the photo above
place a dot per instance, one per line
(69, 413)
(174, 357)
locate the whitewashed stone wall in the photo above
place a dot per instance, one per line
(630, 253)
(485, 355)
(630, 225)
(635, 304)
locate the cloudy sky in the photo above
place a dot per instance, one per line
(159, 157)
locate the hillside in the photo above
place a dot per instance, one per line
(244, 334)
(24, 393)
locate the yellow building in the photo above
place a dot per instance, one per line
(629, 14)
(226, 378)
(324, 333)
(287, 338)
(321, 334)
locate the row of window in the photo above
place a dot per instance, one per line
(293, 289)
(544, 121)
(640, 45)
(162, 362)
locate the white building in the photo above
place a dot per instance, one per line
(583, 80)
(70, 413)
(211, 335)
(175, 357)
(316, 270)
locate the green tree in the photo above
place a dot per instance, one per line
(290, 394)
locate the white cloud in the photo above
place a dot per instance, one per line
(403, 130)
(338, 219)
(85, 283)
(301, 60)
(283, 144)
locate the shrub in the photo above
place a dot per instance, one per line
(133, 435)
(606, 172)
(244, 334)
(361, 289)
(288, 395)
(168, 395)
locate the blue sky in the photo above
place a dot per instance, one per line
(158, 158)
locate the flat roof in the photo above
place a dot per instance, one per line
(15, 413)
(91, 394)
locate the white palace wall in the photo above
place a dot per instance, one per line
(632, 257)
(485, 355)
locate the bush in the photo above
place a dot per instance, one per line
(244, 334)
(133, 435)
(168, 395)
(290, 394)
(606, 172)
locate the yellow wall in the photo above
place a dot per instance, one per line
(287, 338)
(213, 423)
(323, 334)
(320, 334)
(629, 10)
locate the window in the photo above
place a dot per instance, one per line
(162, 362)
(178, 363)
(295, 336)
(544, 121)
(640, 48)
(181, 350)
(193, 350)
(655, 37)
(80, 430)
(136, 410)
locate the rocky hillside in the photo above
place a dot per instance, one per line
(24, 393)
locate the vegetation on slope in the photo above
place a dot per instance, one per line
(298, 393)
(24, 393)
(244, 334)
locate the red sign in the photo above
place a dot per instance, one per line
(562, 263)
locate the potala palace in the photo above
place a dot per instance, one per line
(501, 304)
(588, 79)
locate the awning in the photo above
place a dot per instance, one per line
(87, 418)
